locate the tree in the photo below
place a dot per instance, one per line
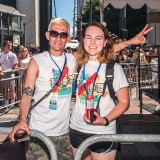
(136, 18)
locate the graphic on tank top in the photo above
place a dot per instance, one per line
(62, 90)
(64, 86)
(88, 82)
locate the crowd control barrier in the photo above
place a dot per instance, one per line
(16, 80)
(47, 141)
(116, 138)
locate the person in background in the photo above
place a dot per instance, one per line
(23, 62)
(19, 51)
(69, 50)
(35, 50)
(8, 62)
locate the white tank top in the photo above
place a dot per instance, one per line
(52, 122)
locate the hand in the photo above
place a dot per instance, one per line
(99, 120)
(1, 74)
(140, 39)
(20, 126)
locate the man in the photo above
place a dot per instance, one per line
(51, 116)
(8, 62)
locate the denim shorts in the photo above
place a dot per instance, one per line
(76, 138)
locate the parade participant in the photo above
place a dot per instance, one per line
(51, 116)
(94, 53)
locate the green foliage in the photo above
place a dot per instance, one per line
(136, 18)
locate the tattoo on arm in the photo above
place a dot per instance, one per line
(28, 91)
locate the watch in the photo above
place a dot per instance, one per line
(107, 121)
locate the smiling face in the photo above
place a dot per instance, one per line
(57, 44)
(94, 41)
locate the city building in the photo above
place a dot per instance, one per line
(10, 23)
(25, 22)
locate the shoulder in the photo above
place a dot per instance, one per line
(40, 55)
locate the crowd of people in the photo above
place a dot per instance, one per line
(52, 74)
(12, 59)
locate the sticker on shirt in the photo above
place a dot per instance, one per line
(53, 101)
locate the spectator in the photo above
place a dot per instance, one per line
(69, 50)
(23, 62)
(35, 50)
(19, 51)
(8, 62)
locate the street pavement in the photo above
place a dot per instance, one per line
(133, 109)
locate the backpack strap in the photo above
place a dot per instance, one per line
(109, 80)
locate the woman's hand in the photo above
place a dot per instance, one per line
(98, 119)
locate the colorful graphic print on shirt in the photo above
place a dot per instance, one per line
(88, 80)
(65, 83)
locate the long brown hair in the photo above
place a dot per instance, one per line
(106, 54)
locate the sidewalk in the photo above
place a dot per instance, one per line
(133, 109)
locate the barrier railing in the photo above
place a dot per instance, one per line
(17, 79)
(47, 141)
(116, 138)
(147, 78)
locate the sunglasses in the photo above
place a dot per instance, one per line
(24, 51)
(55, 34)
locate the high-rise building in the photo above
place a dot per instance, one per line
(35, 24)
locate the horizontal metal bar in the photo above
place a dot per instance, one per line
(116, 138)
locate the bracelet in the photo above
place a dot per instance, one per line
(107, 121)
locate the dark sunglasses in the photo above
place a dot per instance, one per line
(55, 34)
(24, 51)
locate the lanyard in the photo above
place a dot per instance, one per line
(57, 64)
(65, 61)
(93, 81)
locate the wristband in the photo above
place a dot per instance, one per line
(107, 121)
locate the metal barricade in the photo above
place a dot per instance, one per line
(47, 141)
(148, 76)
(130, 71)
(16, 80)
(116, 138)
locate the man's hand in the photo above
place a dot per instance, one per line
(20, 126)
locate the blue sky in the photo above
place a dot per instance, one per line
(64, 10)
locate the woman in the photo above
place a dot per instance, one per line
(23, 62)
(94, 54)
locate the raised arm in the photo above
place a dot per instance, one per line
(139, 39)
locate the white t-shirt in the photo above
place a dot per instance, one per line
(106, 103)
(8, 60)
(45, 117)
(24, 63)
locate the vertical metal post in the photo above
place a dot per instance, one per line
(122, 19)
(155, 34)
(24, 33)
(158, 72)
(8, 26)
(55, 10)
(90, 10)
(101, 5)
